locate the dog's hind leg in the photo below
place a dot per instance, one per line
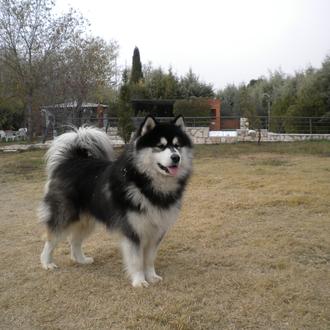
(46, 256)
(80, 231)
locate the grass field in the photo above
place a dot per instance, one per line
(251, 250)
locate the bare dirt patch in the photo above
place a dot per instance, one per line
(251, 250)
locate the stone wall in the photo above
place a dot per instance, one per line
(274, 137)
(200, 135)
(114, 137)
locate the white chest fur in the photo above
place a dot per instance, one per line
(153, 223)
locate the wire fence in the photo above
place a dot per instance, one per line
(298, 125)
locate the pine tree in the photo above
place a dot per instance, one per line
(125, 112)
(136, 75)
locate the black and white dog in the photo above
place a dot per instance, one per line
(139, 194)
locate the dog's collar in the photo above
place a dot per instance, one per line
(124, 171)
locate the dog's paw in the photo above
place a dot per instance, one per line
(83, 261)
(154, 278)
(151, 276)
(88, 260)
(139, 281)
(49, 266)
(140, 284)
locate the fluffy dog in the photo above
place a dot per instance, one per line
(139, 194)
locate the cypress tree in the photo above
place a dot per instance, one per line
(125, 112)
(136, 74)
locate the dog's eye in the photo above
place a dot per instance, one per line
(161, 146)
(176, 146)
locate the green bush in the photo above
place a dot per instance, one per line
(11, 115)
(193, 107)
(125, 123)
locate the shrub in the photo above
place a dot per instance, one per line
(11, 115)
(193, 107)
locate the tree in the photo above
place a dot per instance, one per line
(193, 107)
(286, 96)
(309, 99)
(125, 112)
(29, 36)
(90, 65)
(190, 85)
(161, 85)
(136, 74)
(248, 108)
(11, 107)
(11, 114)
(230, 106)
(324, 83)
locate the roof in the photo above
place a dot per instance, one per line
(154, 101)
(74, 105)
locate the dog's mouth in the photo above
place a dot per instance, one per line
(171, 170)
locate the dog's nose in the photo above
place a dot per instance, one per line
(175, 158)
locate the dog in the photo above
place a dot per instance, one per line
(138, 194)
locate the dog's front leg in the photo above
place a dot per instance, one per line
(133, 259)
(150, 253)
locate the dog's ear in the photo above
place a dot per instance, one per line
(148, 125)
(179, 121)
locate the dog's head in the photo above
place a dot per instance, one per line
(163, 148)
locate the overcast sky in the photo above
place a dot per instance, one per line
(223, 41)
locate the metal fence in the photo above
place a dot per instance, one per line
(303, 125)
(298, 125)
(61, 125)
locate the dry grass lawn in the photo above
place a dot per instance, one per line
(251, 250)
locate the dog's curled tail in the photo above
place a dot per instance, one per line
(90, 139)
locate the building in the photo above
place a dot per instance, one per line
(215, 112)
(72, 114)
(58, 117)
(164, 108)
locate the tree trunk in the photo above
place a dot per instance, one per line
(29, 119)
(79, 112)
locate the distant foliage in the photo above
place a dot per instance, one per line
(136, 73)
(304, 94)
(149, 83)
(11, 115)
(190, 85)
(159, 84)
(125, 123)
(47, 58)
(124, 111)
(193, 107)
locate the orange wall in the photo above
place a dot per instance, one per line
(215, 106)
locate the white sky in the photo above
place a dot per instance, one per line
(223, 41)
